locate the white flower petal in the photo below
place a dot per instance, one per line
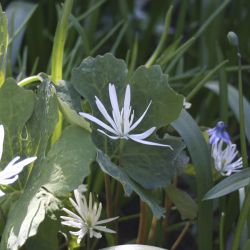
(145, 134)
(141, 118)
(110, 136)
(21, 164)
(5, 181)
(104, 112)
(149, 143)
(1, 193)
(72, 224)
(126, 110)
(104, 229)
(114, 100)
(75, 216)
(106, 220)
(97, 121)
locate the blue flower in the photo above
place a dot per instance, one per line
(218, 133)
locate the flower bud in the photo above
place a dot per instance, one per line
(233, 39)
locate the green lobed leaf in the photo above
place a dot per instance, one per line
(43, 120)
(63, 169)
(229, 184)
(151, 84)
(16, 107)
(128, 184)
(69, 103)
(46, 237)
(153, 167)
(92, 78)
(183, 202)
(3, 44)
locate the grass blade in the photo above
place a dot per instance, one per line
(198, 149)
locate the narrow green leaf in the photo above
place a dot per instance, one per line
(198, 149)
(106, 37)
(16, 107)
(229, 184)
(58, 45)
(3, 44)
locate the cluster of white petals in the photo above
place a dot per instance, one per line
(87, 217)
(10, 173)
(224, 152)
(224, 156)
(121, 124)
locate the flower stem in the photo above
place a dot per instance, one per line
(109, 209)
(142, 224)
(29, 80)
(180, 238)
(59, 41)
(242, 220)
(57, 59)
(88, 242)
(222, 222)
(241, 111)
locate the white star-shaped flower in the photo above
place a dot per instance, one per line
(121, 124)
(10, 173)
(87, 217)
(224, 155)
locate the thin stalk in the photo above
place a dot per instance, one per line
(129, 217)
(59, 41)
(197, 88)
(222, 222)
(241, 109)
(134, 55)
(153, 228)
(142, 224)
(57, 58)
(163, 39)
(165, 225)
(109, 208)
(180, 237)
(241, 221)
(29, 80)
(88, 242)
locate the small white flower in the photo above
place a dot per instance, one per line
(224, 158)
(121, 122)
(186, 105)
(87, 219)
(10, 173)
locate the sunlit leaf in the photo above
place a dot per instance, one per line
(63, 169)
